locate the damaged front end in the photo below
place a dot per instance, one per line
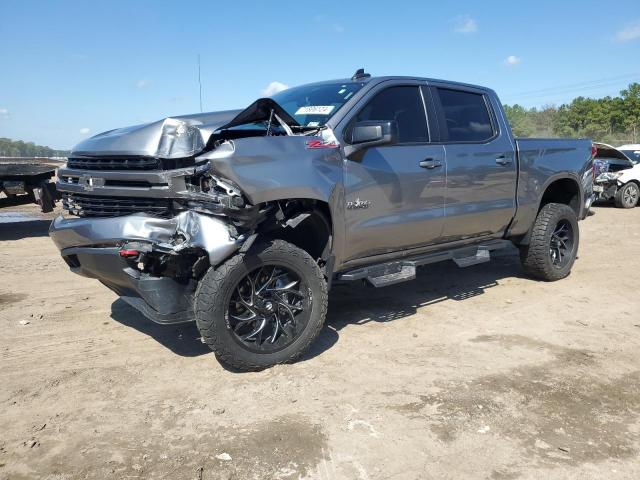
(147, 213)
(605, 185)
(609, 165)
(150, 235)
(152, 263)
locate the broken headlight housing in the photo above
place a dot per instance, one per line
(179, 139)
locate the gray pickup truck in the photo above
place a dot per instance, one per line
(242, 220)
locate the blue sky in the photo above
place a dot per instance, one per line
(70, 69)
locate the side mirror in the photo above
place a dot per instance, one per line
(371, 133)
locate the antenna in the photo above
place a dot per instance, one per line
(199, 83)
(360, 74)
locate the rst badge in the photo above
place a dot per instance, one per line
(88, 182)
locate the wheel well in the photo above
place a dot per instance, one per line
(564, 191)
(307, 224)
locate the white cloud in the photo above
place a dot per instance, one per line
(512, 60)
(143, 83)
(465, 25)
(4, 113)
(84, 130)
(273, 88)
(325, 22)
(629, 32)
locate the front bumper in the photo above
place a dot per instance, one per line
(605, 189)
(91, 247)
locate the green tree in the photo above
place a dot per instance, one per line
(522, 123)
(631, 110)
(18, 148)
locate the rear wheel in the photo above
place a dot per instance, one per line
(627, 195)
(554, 243)
(262, 308)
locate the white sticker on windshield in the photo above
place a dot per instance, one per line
(315, 110)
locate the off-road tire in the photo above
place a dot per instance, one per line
(215, 290)
(535, 256)
(623, 194)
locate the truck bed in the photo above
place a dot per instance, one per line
(541, 161)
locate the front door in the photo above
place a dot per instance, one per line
(395, 193)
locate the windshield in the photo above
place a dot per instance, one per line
(314, 105)
(634, 155)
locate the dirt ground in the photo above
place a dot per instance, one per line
(476, 373)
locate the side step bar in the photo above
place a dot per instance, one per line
(390, 273)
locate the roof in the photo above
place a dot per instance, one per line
(394, 77)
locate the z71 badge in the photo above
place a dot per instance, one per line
(358, 204)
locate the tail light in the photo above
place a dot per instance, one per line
(594, 151)
(129, 253)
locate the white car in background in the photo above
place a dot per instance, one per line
(631, 150)
(617, 173)
(629, 181)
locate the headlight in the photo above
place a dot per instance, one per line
(179, 139)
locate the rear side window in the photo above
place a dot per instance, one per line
(466, 116)
(404, 105)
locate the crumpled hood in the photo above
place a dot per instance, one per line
(176, 137)
(172, 137)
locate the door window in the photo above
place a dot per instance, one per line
(466, 116)
(405, 106)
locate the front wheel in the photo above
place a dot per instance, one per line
(627, 195)
(554, 243)
(263, 307)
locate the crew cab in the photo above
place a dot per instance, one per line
(243, 220)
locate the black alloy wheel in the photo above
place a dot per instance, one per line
(268, 308)
(561, 244)
(262, 307)
(552, 246)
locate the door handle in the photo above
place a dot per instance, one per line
(430, 163)
(503, 160)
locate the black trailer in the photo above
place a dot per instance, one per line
(24, 183)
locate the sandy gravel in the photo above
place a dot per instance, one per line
(476, 373)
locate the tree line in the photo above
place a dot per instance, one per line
(613, 120)
(18, 148)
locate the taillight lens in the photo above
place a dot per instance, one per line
(594, 151)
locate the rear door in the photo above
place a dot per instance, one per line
(394, 193)
(481, 164)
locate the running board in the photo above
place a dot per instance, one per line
(390, 273)
(482, 256)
